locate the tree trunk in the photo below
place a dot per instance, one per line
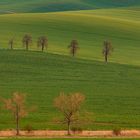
(106, 53)
(42, 48)
(69, 128)
(73, 51)
(11, 46)
(106, 58)
(17, 121)
(27, 46)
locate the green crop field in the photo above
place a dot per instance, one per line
(112, 90)
(90, 28)
(14, 6)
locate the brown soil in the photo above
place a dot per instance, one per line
(49, 133)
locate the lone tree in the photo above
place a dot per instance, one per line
(69, 106)
(42, 42)
(27, 40)
(11, 43)
(74, 46)
(107, 50)
(16, 105)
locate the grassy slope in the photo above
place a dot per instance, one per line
(60, 5)
(112, 90)
(90, 28)
(43, 76)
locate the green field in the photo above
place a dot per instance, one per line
(90, 28)
(112, 90)
(14, 6)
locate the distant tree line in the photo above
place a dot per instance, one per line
(42, 43)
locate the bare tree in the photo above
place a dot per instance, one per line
(11, 43)
(69, 106)
(107, 50)
(27, 40)
(16, 105)
(42, 42)
(74, 46)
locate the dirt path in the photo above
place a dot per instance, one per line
(50, 134)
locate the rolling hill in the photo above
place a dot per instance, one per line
(90, 28)
(111, 90)
(16, 6)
